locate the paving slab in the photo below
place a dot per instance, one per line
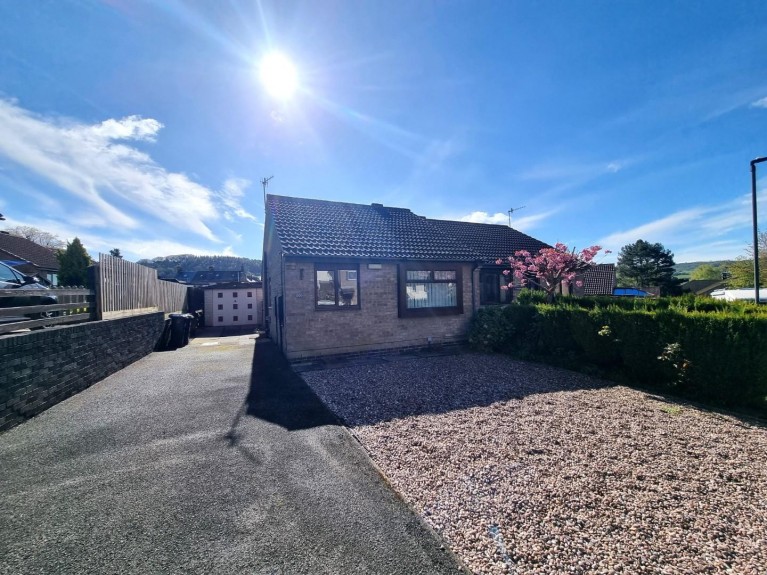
(213, 458)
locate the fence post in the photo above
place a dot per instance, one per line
(98, 310)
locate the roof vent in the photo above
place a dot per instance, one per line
(377, 205)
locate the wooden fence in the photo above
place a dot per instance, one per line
(72, 305)
(122, 289)
(125, 288)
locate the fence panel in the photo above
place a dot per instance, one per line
(71, 306)
(126, 288)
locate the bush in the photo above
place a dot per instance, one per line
(700, 350)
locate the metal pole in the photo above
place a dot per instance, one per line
(756, 227)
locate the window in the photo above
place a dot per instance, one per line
(234, 306)
(220, 319)
(336, 286)
(220, 306)
(235, 318)
(220, 294)
(250, 318)
(430, 289)
(250, 294)
(234, 294)
(250, 306)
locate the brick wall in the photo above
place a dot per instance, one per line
(376, 325)
(41, 368)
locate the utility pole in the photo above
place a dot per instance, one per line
(264, 183)
(756, 227)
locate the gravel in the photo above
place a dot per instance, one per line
(526, 468)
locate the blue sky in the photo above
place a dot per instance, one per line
(145, 126)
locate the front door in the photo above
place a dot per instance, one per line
(489, 288)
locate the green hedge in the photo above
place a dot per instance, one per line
(718, 357)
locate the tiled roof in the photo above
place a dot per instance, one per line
(23, 249)
(215, 277)
(336, 229)
(490, 241)
(701, 287)
(598, 280)
(235, 285)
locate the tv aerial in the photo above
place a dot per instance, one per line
(264, 183)
(512, 210)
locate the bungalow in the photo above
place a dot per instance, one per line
(345, 278)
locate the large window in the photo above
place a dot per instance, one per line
(427, 290)
(336, 286)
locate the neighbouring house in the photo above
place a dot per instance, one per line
(702, 287)
(28, 257)
(599, 279)
(345, 278)
(234, 304)
(211, 277)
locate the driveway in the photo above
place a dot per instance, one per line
(214, 458)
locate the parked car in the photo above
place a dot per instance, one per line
(31, 292)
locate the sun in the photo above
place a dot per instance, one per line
(278, 75)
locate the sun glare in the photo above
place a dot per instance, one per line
(278, 75)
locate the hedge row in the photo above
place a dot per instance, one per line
(715, 357)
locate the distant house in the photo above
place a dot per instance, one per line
(345, 278)
(234, 304)
(28, 257)
(702, 287)
(211, 277)
(596, 280)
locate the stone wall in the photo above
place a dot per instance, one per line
(41, 368)
(376, 325)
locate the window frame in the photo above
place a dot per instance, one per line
(405, 312)
(336, 268)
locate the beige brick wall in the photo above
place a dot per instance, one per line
(376, 325)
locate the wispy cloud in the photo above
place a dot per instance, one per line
(101, 166)
(697, 233)
(485, 218)
(231, 195)
(523, 224)
(761, 103)
(664, 227)
(569, 170)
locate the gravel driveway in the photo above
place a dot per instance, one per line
(526, 468)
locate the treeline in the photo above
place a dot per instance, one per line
(169, 266)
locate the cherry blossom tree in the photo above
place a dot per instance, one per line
(549, 267)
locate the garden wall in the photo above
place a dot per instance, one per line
(39, 369)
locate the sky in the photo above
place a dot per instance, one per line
(147, 126)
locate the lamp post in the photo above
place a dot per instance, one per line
(756, 228)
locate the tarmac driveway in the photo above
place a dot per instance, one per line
(215, 458)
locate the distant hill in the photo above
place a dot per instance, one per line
(683, 270)
(168, 266)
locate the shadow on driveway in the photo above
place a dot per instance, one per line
(278, 395)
